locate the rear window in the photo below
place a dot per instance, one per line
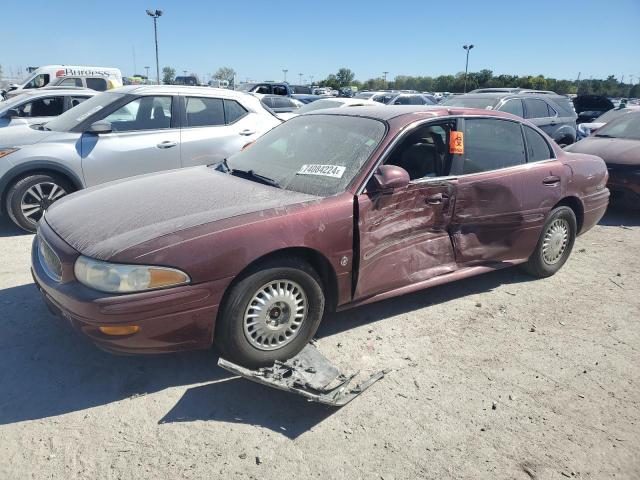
(233, 111)
(536, 108)
(537, 147)
(203, 112)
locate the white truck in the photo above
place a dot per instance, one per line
(95, 78)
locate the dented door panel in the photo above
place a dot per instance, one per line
(403, 237)
(488, 222)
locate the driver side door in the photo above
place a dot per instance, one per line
(403, 235)
(145, 138)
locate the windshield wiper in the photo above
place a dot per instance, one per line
(261, 178)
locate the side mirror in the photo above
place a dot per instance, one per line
(100, 127)
(12, 113)
(388, 178)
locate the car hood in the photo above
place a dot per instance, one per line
(618, 151)
(102, 221)
(22, 134)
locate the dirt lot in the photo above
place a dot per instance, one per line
(498, 376)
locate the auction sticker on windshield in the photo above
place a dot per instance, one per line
(334, 171)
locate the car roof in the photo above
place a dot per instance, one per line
(181, 90)
(64, 91)
(389, 112)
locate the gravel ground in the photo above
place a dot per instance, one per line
(498, 376)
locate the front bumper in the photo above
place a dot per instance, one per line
(169, 320)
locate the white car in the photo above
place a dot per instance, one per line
(42, 105)
(327, 103)
(121, 133)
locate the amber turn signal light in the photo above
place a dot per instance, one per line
(120, 330)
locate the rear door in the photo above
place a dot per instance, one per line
(488, 223)
(145, 138)
(213, 129)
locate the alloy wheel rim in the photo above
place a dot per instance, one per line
(38, 198)
(275, 314)
(555, 242)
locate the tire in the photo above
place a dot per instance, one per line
(39, 190)
(287, 281)
(555, 243)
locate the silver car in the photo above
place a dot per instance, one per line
(41, 105)
(121, 133)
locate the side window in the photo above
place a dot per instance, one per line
(143, 113)
(75, 101)
(279, 90)
(99, 84)
(282, 102)
(536, 108)
(490, 144)
(416, 100)
(268, 101)
(424, 152)
(263, 89)
(38, 81)
(233, 111)
(43, 107)
(513, 106)
(552, 112)
(203, 112)
(71, 82)
(537, 147)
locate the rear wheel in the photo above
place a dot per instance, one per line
(30, 196)
(555, 243)
(271, 313)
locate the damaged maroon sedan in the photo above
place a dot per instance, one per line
(328, 211)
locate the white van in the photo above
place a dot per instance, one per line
(95, 78)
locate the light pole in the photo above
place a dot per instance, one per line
(147, 69)
(184, 72)
(284, 70)
(466, 66)
(155, 14)
(385, 78)
(300, 75)
(311, 79)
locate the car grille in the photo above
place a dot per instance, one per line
(49, 260)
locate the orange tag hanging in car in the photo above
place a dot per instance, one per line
(456, 143)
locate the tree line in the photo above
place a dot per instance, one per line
(610, 87)
(485, 78)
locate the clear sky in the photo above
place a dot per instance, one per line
(260, 38)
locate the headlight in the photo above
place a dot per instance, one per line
(6, 151)
(118, 278)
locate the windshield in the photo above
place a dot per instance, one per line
(319, 105)
(627, 126)
(78, 114)
(13, 101)
(313, 154)
(611, 114)
(470, 102)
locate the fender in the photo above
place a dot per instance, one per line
(565, 131)
(35, 166)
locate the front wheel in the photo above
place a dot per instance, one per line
(555, 243)
(29, 197)
(270, 314)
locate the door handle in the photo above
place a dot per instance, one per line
(167, 144)
(553, 122)
(435, 199)
(551, 180)
(246, 132)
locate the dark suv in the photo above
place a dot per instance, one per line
(552, 113)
